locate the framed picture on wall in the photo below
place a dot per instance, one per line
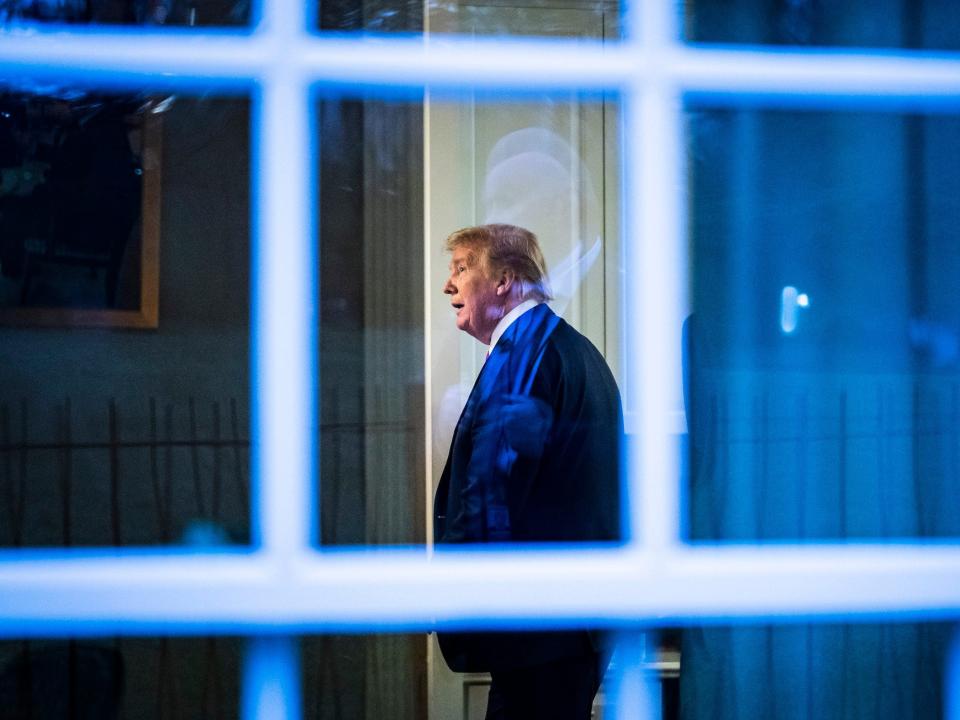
(79, 209)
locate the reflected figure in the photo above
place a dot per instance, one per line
(536, 456)
(535, 179)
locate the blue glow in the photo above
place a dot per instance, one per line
(635, 690)
(951, 710)
(271, 679)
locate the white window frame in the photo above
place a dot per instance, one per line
(285, 585)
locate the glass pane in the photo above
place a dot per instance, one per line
(589, 19)
(150, 14)
(149, 678)
(823, 351)
(930, 24)
(548, 164)
(152, 678)
(593, 20)
(124, 318)
(372, 488)
(350, 677)
(395, 371)
(826, 672)
(380, 16)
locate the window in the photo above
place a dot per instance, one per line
(284, 586)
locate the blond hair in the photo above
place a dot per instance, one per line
(499, 247)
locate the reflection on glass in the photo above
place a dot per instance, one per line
(379, 16)
(545, 164)
(149, 13)
(901, 24)
(79, 207)
(821, 365)
(596, 20)
(526, 416)
(113, 432)
(367, 676)
(813, 672)
(371, 323)
(592, 19)
(548, 163)
(104, 678)
(822, 358)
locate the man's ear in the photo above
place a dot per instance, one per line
(506, 282)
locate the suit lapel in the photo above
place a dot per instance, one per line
(518, 353)
(510, 368)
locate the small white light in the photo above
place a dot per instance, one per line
(788, 309)
(803, 300)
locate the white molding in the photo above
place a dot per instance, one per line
(821, 76)
(137, 593)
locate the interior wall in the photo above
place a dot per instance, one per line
(371, 384)
(188, 380)
(176, 381)
(199, 354)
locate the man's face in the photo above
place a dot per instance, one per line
(473, 296)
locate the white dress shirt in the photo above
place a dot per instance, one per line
(508, 320)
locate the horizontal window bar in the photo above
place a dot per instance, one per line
(816, 72)
(405, 590)
(223, 58)
(189, 58)
(122, 58)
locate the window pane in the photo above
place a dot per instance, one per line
(124, 318)
(354, 677)
(149, 678)
(151, 14)
(593, 20)
(389, 402)
(372, 488)
(931, 24)
(345, 677)
(590, 19)
(827, 672)
(822, 355)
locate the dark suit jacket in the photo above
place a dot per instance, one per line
(536, 456)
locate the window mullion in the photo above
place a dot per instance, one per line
(284, 317)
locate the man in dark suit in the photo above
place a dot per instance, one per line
(535, 457)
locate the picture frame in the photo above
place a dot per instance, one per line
(80, 183)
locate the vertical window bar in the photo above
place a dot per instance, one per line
(653, 292)
(285, 21)
(653, 239)
(284, 315)
(271, 679)
(951, 680)
(634, 692)
(657, 26)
